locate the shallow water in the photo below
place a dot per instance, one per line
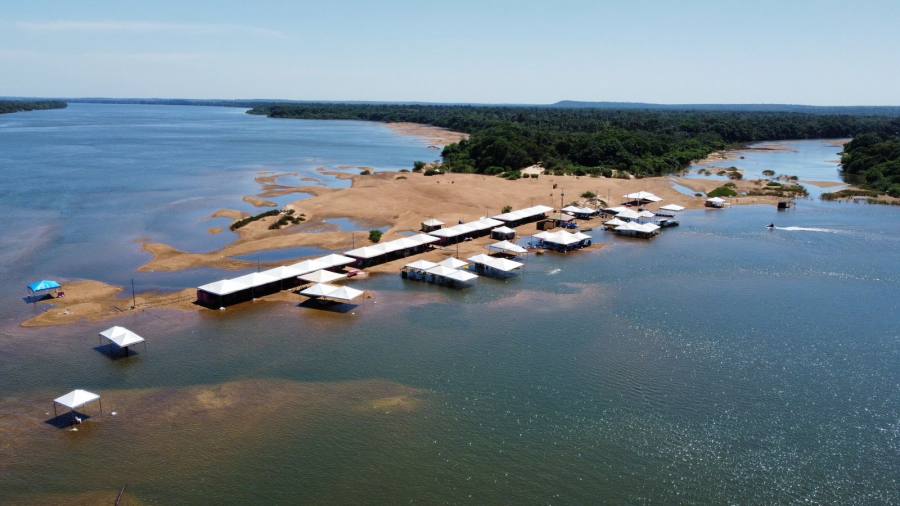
(809, 160)
(721, 362)
(84, 186)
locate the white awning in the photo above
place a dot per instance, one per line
(466, 228)
(453, 263)
(628, 214)
(500, 264)
(672, 207)
(642, 195)
(421, 265)
(504, 230)
(521, 214)
(560, 237)
(454, 274)
(76, 398)
(333, 292)
(321, 276)
(579, 210)
(376, 250)
(645, 228)
(121, 337)
(508, 247)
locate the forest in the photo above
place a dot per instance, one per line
(9, 106)
(504, 139)
(872, 160)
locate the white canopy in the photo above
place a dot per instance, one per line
(560, 237)
(453, 263)
(580, 235)
(642, 195)
(76, 398)
(432, 222)
(338, 293)
(645, 214)
(508, 247)
(501, 264)
(421, 265)
(224, 287)
(521, 214)
(504, 230)
(579, 210)
(645, 228)
(321, 276)
(615, 222)
(454, 274)
(716, 200)
(391, 246)
(617, 209)
(628, 214)
(465, 228)
(121, 337)
(671, 207)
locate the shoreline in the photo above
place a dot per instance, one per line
(398, 200)
(436, 137)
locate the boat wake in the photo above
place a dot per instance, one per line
(809, 229)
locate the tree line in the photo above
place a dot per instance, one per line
(505, 139)
(872, 159)
(10, 106)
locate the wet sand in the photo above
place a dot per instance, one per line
(435, 136)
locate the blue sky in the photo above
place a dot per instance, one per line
(811, 52)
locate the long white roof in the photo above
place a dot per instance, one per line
(521, 214)
(642, 195)
(508, 247)
(465, 228)
(228, 286)
(501, 264)
(321, 276)
(391, 246)
(76, 398)
(121, 336)
(579, 210)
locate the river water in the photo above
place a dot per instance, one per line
(720, 362)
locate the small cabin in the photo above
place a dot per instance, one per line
(431, 225)
(503, 234)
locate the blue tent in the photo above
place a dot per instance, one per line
(44, 284)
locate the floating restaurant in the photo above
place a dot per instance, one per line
(494, 266)
(332, 293)
(642, 230)
(562, 240)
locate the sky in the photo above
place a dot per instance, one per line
(825, 52)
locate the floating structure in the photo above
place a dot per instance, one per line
(613, 223)
(583, 213)
(716, 202)
(628, 215)
(453, 263)
(644, 215)
(447, 276)
(669, 210)
(321, 276)
(431, 225)
(503, 233)
(367, 256)
(642, 230)
(488, 265)
(523, 216)
(642, 197)
(463, 231)
(417, 269)
(227, 292)
(122, 337)
(562, 240)
(507, 248)
(76, 399)
(43, 286)
(332, 293)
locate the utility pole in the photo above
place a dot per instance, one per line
(133, 300)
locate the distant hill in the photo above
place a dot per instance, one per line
(854, 110)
